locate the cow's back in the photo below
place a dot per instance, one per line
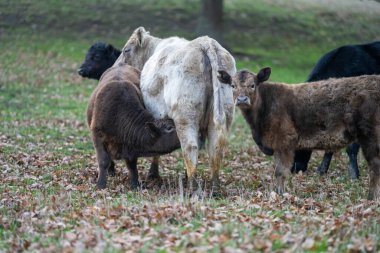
(347, 61)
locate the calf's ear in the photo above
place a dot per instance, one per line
(263, 74)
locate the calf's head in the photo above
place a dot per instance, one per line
(99, 58)
(163, 130)
(245, 84)
(137, 49)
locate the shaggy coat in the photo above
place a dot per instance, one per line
(121, 127)
(345, 61)
(325, 115)
(189, 81)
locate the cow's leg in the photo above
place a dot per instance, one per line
(301, 159)
(325, 164)
(188, 136)
(352, 152)
(104, 162)
(153, 171)
(132, 167)
(371, 153)
(216, 144)
(111, 170)
(283, 163)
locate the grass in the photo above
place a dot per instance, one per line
(48, 200)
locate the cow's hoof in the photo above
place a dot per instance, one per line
(135, 186)
(353, 172)
(322, 170)
(101, 185)
(111, 172)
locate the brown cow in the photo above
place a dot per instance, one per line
(327, 115)
(121, 127)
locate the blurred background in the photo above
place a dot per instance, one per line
(289, 36)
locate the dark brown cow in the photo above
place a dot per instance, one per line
(121, 127)
(325, 115)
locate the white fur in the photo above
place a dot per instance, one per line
(175, 83)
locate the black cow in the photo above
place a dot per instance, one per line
(99, 58)
(345, 61)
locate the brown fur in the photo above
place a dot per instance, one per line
(121, 127)
(326, 115)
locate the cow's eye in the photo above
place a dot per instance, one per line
(96, 57)
(127, 50)
(253, 86)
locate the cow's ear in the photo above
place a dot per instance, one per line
(263, 74)
(110, 48)
(140, 34)
(153, 130)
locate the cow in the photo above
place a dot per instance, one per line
(189, 81)
(345, 61)
(122, 128)
(100, 56)
(327, 115)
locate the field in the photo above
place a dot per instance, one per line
(48, 199)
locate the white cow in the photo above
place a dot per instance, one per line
(190, 82)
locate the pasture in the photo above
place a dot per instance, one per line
(48, 199)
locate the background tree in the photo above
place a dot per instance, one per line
(211, 20)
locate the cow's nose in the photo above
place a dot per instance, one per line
(242, 99)
(81, 71)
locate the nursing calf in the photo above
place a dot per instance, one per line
(121, 127)
(325, 115)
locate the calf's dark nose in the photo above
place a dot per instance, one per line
(80, 71)
(242, 99)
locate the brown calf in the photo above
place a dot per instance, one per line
(325, 115)
(121, 127)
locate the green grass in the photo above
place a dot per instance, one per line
(48, 199)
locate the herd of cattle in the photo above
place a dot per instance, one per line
(158, 95)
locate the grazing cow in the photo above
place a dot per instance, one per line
(345, 61)
(121, 127)
(328, 115)
(99, 58)
(189, 81)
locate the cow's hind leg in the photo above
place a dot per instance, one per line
(325, 164)
(188, 136)
(352, 152)
(371, 154)
(132, 167)
(216, 144)
(104, 162)
(283, 164)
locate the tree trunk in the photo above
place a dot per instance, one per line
(211, 20)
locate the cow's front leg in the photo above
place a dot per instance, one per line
(153, 171)
(283, 163)
(132, 167)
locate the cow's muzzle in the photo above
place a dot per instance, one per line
(83, 72)
(242, 101)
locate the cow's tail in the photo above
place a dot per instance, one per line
(219, 77)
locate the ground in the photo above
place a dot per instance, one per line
(48, 199)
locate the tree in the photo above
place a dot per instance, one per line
(211, 19)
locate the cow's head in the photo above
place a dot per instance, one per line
(136, 50)
(99, 58)
(245, 84)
